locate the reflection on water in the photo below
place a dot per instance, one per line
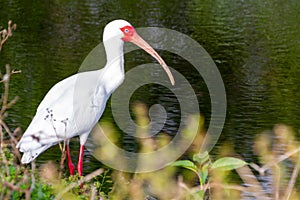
(255, 44)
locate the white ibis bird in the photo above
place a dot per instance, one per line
(62, 114)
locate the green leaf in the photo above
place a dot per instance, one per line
(201, 157)
(186, 164)
(228, 163)
(203, 174)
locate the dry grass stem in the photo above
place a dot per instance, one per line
(78, 183)
(292, 181)
(279, 159)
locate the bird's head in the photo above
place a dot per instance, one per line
(123, 30)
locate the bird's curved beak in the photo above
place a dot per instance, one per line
(136, 39)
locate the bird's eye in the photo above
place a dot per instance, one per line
(126, 30)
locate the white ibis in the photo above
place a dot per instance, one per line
(62, 115)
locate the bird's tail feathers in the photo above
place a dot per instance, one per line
(29, 156)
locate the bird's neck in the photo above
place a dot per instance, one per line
(113, 73)
(114, 54)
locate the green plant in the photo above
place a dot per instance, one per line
(202, 166)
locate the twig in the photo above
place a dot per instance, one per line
(257, 168)
(62, 160)
(32, 176)
(12, 102)
(6, 89)
(182, 188)
(9, 132)
(84, 179)
(93, 193)
(181, 184)
(11, 186)
(63, 150)
(4, 160)
(6, 76)
(279, 159)
(12, 138)
(276, 181)
(26, 181)
(292, 181)
(250, 179)
(5, 79)
(5, 34)
(228, 187)
(1, 182)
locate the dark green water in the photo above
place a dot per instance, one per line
(255, 45)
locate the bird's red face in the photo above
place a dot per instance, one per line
(130, 35)
(128, 32)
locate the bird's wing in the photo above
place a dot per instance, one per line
(67, 110)
(45, 127)
(57, 91)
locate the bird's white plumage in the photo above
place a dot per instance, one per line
(74, 105)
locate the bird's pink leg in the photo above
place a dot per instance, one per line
(70, 164)
(80, 159)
